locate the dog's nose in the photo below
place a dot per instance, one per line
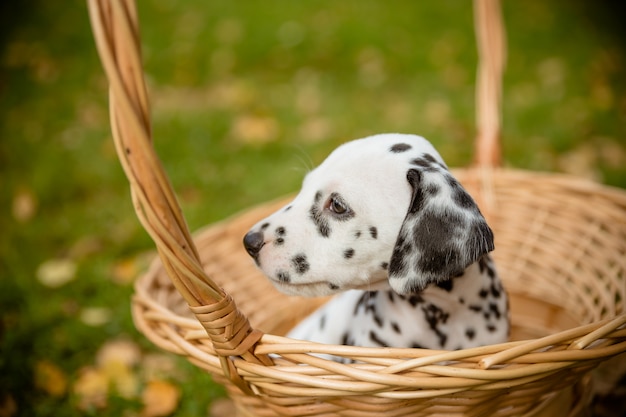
(253, 242)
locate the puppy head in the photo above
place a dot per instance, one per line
(378, 212)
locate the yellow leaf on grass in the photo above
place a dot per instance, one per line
(55, 273)
(118, 350)
(160, 398)
(255, 129)
(124, 271)
(50, 378)
(95, 316)
(24, 205)
(161, 366)
(91, 388)
(122, 379)
(116, 359)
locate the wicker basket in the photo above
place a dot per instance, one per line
(561, 250)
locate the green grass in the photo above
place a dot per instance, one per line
(247, 96)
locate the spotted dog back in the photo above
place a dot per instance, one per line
(384, 224)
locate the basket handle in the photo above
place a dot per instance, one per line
(115, 27)
(491, 42)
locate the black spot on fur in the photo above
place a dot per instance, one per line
(475, 308)
(368, 303)
(462, 198)
(482, 264)
(376, 339)
(483, 293)
(280, 231)
(348, 253)
(384, 265)
(378, 320)
(446, 285)
(300, 263)
(318, 197)
(265, 226)
(395, 327)
(422, 163)
(283, 276)
(333, 286)
(435, 316)
(400, 147)
(470, 333)
(279, 241)
(416, 345)
(495, 291)
(390, 296)
(322, 322)
(415, 299)
(493, 307)
(428, 163)
(374, 232)
(432, 189)
(287, 208)
(322, 224)
(357, 234)
(485, 265)
(491, 328)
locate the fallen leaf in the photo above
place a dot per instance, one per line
(55, 273)
(315, 129)
(50, 378)
(116, 359)
(125, 271)
(91, 388)
(24, 205)
(8, 406)
(122, 379)
(160, 366)
(85, 246)
(95, 316)
(255, 129)
(160, 398)
(118, 350)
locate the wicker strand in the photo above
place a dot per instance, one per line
(116, 33)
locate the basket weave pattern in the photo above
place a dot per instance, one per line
(561, 251)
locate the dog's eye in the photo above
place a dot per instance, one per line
(337, 206)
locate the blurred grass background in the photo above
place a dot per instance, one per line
(247, 96)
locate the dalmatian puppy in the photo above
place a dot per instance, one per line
(383, 224)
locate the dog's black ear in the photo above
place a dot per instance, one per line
(442, 234)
